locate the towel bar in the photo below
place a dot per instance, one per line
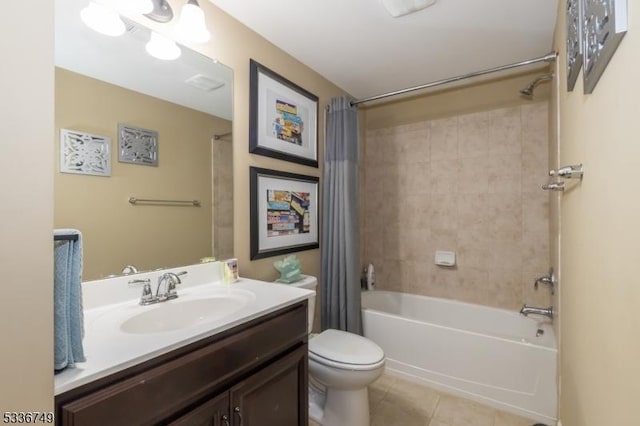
(73, 237)
(134, 200)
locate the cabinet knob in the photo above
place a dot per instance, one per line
(237, 411)
(225, 419)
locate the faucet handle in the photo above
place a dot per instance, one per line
(549, 280)
(553, 186)
(173, 280)
(569, 172)
(130, 269)
(147, 295)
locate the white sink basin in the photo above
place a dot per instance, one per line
(179, 314)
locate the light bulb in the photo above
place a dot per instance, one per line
(102, 19)
(161, 47)
(191, 26)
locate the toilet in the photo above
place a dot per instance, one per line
(341, 366)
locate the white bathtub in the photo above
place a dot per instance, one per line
(485, 354)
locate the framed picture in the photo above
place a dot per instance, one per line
(84, 153)
(283, 118)
(605, 22)
(137, 145)
(284, 212)
(574, 42)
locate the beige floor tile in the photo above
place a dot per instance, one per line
(378, 390)
(398, 413)
(508, 419)
(454, 411)
(376, 395)
(397, 402)
(417, 397)
(384, 381)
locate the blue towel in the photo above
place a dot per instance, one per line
(67, 299)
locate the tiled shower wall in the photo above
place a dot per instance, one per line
(223, 199)
(470, 184)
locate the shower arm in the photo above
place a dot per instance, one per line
(549, 57)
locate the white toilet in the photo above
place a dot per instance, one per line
(341, 366)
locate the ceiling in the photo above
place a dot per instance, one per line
(359, 47)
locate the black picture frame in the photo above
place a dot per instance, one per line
(283, 117)
(284, 212)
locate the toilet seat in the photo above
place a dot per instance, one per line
(347, 351)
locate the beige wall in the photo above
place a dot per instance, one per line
(116, 233)
(600, 240)
(468, 183)
(26, 207)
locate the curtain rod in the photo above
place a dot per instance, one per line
(549, 57)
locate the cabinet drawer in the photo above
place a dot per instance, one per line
(163, 390)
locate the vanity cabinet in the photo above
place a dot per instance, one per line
(253, 374)
(269, 397)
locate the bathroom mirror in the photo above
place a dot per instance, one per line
(117, 109)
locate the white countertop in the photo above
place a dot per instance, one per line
(109, 302)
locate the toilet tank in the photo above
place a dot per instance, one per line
(310, 283)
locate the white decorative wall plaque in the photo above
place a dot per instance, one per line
(574, 41)
(137, 145)
(84, 153)
(605, 23)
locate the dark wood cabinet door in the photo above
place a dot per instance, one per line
(212, 413)
(275, 395)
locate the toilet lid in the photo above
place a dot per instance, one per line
(346, 348)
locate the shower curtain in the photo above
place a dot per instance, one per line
(340, 281)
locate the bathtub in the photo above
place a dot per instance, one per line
(485, 354)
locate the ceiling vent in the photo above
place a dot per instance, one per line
(397, 8)
(202, 82)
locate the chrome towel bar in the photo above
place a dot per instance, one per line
(134, 201)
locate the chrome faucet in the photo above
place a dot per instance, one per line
(547, 312)
(147, 296)
(130, 269)
(553, 186)
(549, 280)
(171, 280)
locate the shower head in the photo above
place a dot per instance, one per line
(528, 91)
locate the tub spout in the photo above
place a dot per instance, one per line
(547, 312)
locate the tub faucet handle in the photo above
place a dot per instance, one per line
(553, 186)
(549, 279)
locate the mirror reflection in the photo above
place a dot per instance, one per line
(119, 111)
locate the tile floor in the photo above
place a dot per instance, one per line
(397, 402)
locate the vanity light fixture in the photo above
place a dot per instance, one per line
(134, 6)
(103, 19)
(191, 26)
(162, 47)
(162, 11)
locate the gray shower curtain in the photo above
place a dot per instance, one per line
(340, 282)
